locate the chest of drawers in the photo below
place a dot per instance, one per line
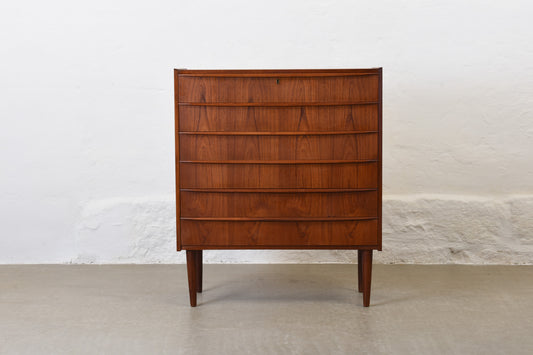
(278, 159)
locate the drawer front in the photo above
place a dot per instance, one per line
(279, 119)
(307, 147)
(279, 205)
(250, 234)
(198, 89)
(278, 159)
(291, 176)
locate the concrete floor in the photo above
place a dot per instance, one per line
(266, 309)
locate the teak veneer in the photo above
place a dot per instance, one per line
(278, 159)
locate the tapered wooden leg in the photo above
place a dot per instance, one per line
(367, 275)
(199, 270)
(191, 272)
(360, 270)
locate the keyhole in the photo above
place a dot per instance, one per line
(277, 81)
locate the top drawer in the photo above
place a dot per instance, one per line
(279, 89)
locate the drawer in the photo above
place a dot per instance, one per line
(272, 147)
(257, 234)
(278, 119)
(278, 89)
(344, 175)
(285, 204)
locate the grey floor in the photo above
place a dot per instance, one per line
(266, 309)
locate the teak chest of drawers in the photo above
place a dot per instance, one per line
(278, 159)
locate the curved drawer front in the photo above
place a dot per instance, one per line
(283, 205)
(257, 234)
(278, 158)
(279, 119)
(289, 176)
(278, 89)
(306, 147)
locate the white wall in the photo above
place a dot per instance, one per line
(86, 136)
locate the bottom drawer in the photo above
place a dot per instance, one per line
(278, 234)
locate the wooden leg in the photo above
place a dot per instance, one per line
(191, 272)
(199, 267)
(360, 270)
(367, 275)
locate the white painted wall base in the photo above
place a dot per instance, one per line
(416, 229)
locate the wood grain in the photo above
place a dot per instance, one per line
(192, 276)
(279, 119)
(282, 176)
(313, 147)
(177, 155)
(278, 159)
(275, 89)
(279, 104)
(263, 190)
(250, 204)
(285, 72)
(380, 155)
(366, 272)
(221, 233)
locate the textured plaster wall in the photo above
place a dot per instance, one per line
(86, 141)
